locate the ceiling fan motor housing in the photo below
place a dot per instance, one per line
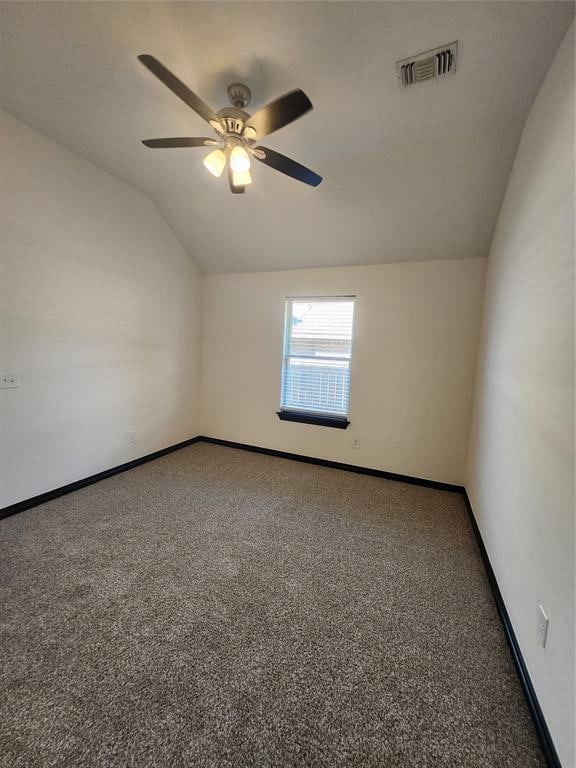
(233, 119)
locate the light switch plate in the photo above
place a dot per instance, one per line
(9, 380)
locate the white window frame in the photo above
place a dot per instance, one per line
(289, 413)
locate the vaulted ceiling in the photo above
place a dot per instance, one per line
(409, 174)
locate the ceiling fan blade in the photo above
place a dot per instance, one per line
(178, 87)
(180, 142)
(289, 167)
(279, 113)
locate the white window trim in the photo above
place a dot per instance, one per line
(324, 418)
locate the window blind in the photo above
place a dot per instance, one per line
(317, 353)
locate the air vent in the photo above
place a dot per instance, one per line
(428, 65)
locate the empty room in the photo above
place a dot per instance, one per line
(287, 406)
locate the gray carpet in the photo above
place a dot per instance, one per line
(222, 608)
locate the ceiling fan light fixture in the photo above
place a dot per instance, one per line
(241, 179)
(236, 130)
(239, 160)
(215, 162)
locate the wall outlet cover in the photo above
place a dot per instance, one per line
(542, 626)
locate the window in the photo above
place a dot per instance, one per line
(316, 362)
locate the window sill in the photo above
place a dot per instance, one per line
(338, 422)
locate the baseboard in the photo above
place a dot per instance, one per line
(337, 465)
(542, 730)
(21, 506)
(541, 727)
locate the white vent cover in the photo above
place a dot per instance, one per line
(431, 64)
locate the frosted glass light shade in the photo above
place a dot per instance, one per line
(215, 162)
(241, 179)
(239, 160)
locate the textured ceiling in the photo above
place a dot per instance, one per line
(409, 175)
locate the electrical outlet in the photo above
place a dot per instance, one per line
(542, 626)
(356, 443)
(132, 436)
(9, 381)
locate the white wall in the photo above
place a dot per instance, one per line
(99, 314)
(521, 464)
(415, 342)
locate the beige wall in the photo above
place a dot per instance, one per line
(415, 341)
(521, 464)
(99, 316)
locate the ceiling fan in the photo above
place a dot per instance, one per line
(237, 132)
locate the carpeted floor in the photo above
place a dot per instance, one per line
(220, 608)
